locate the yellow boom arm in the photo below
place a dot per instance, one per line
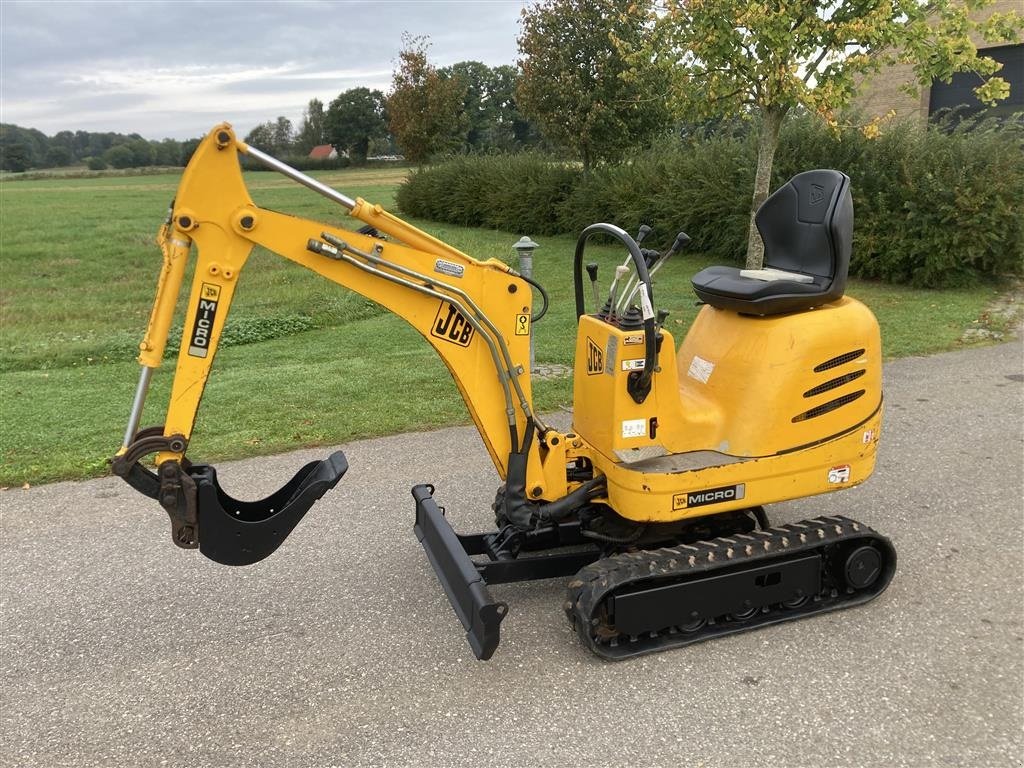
(475, 314)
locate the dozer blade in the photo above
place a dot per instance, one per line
(467, 591)
(233, 532)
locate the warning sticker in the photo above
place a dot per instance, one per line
(632, 365)
(633, 339)
(869, 435)
(522, 325)
(840, 474)
(634, 428)
(700, 369)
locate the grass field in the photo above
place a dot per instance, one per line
(303, 358)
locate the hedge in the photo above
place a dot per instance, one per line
(935, 207)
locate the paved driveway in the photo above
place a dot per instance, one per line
(120, 650)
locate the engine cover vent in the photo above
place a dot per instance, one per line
(843, 359)
(831, 405)
(846, 378)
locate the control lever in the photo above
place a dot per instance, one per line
(592, 271)
(682, 240)
(620, 272)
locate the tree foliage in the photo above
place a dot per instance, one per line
(579, 86)
(737, 57)
(274, 137)
(424, 107)
(24, 148)
(489, 104)
(353, 120)
(312, 131)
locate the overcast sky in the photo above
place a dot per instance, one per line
(175, 69)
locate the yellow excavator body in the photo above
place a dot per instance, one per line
(654, 498)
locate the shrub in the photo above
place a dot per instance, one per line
(934, 208)
(96, 164)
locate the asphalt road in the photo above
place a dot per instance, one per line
(119, 649)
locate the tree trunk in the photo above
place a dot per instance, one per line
(771, 122)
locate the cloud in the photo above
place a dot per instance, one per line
(165, 68)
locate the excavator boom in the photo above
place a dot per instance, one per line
(475, 314)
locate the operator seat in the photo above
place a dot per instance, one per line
(807, 229)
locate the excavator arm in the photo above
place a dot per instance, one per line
(475, 314)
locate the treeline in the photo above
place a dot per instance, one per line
(24, 148)
(467, 107)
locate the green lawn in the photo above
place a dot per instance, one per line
(304, 366)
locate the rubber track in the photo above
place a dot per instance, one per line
(596, 583)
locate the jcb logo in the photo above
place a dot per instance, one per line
(451, 325)
(595, 358)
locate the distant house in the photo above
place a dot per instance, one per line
(323, 152)
(882, 92)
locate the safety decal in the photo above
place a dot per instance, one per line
(610, 353)
(451, 325)
(840, 474)
(632, 365)
(633, 339)
(595, 358)
(708, 496)
(634, 428)
(700, 369)
(206, 313)
(449, 268)
(522, 325)
(869, 435)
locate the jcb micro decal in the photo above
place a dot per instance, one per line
(209, 296)
(522, 325)
(451, 325)
(595, 358)
(709, 496)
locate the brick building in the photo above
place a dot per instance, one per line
(882, 92)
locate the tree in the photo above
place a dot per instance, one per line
(475, 79)
(167, 152)
(493, 120)
(577, 84)
(311, 131)
(353, 120)
(748, 57)
(15, 156)
(58, 156)
(274, 137)
(284, 136)
(119, 156)
(262, 137)
(142, 152)
(509, 129)
(423, 107)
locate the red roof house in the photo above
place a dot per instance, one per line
(323, 152)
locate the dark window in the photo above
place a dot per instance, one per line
(959, 92)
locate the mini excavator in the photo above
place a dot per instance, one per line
(652, 504)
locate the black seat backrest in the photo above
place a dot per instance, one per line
(807, 226)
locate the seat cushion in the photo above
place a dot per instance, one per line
(725, 288)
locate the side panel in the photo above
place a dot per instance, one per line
(779, 383)
(750, 411)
